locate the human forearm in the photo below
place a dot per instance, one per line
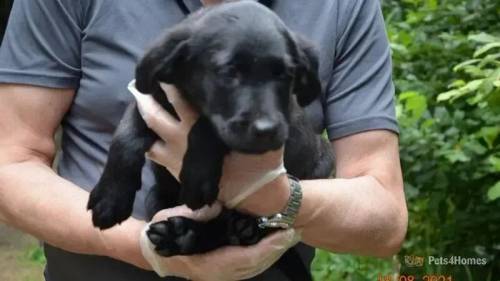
(355, 215)
(36, 200)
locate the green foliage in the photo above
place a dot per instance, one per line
(494, 192)
(35, 254)
(484, 71)
(446, 58)
(345, 267)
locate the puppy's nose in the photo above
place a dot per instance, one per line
(264, 127)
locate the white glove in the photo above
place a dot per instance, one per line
(225, 264)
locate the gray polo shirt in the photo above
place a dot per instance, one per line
(92, 46)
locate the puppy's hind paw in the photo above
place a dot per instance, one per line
(244, 230)
(175, 236)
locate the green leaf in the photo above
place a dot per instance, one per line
(475, 147)
(494, 192)
(483, 38)
(405, 38)
(489, 134)
(461, 65)
(398, 48)
(457, 93)
(474, 71)
(495, 163)
(432, 4)
(427, 123)
(457, 84)
(448, 95)
(486, 48)
(492, 59)
(414, 102)
(493, 101)
(406, 95)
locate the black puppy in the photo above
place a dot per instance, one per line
(248, 76)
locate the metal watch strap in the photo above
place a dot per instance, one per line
(286, 218)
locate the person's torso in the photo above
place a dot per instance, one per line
(116, 35)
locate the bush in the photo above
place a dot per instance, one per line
(447, 77)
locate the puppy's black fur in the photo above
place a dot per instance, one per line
(248, 76)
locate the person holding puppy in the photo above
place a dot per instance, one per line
(68, 63)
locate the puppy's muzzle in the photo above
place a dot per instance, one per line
(264, 128)
(259, 134)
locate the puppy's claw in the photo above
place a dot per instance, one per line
(155, 238)
(158, 228)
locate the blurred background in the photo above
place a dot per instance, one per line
(446, 58)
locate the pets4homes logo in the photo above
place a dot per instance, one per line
(414, 261)
(418, 261)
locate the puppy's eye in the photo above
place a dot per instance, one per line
(228, 72)
(279, 72)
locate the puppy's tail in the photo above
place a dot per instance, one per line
(293, 267)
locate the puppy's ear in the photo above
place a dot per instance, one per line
(307, 85)
(159, 63)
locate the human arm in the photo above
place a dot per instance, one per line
(361, 211)
(33, 197)
(42, 48)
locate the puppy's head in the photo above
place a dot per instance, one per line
(241, 68)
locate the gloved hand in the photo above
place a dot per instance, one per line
(169, 129)
(225, 264)
(242, 175)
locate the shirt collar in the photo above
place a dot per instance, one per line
(194, 5)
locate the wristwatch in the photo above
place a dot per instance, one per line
(287, 217)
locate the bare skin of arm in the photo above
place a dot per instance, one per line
(362, 211)
(33, 197)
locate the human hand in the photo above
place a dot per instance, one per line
(223, 264)
(243, 174)
(167, 127)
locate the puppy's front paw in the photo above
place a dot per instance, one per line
(109, 205)
(175, 236)
(197, 192)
